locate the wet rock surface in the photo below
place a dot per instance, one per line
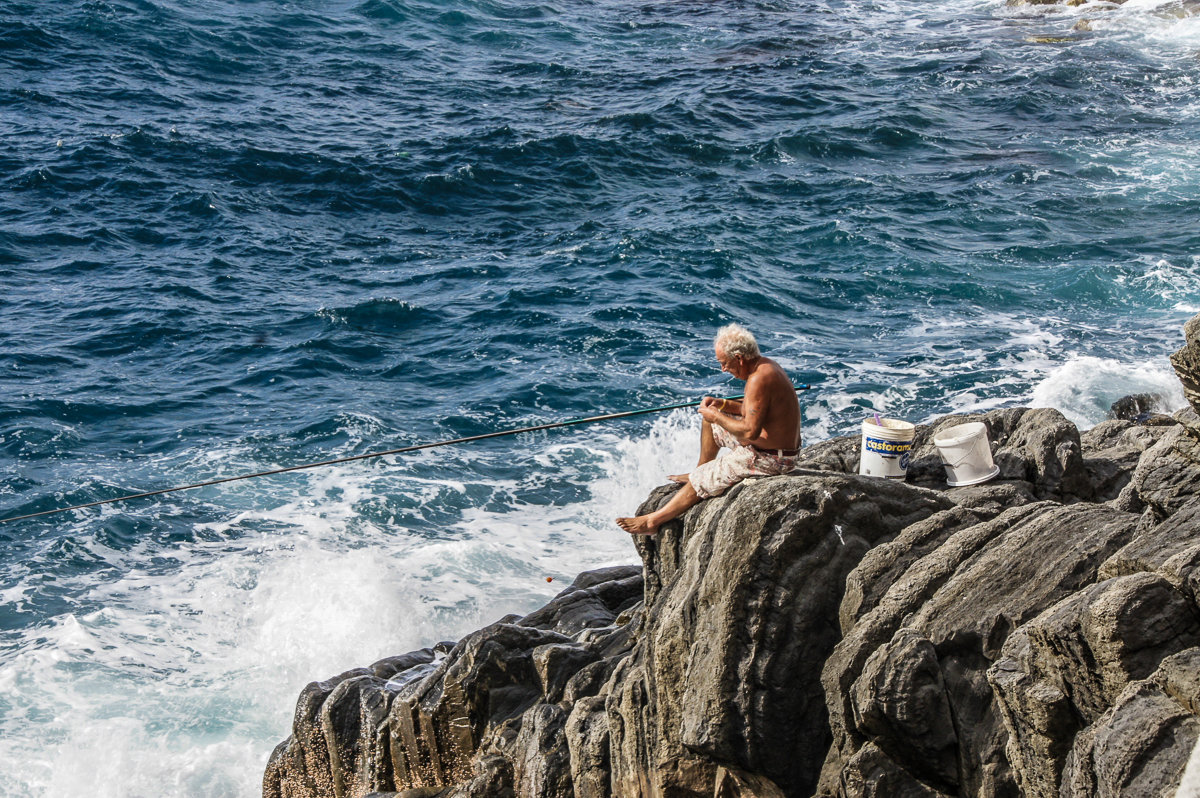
(827, 634)
(1186, 362)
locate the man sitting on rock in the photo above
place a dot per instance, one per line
(762, 430)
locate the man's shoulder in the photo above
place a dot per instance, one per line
(768, 378)
(768, 369)
(771, 378)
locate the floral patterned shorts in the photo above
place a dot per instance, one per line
(730, 468)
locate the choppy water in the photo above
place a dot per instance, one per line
(242, 235)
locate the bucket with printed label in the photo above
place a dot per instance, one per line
(885, 448)
(966, 454)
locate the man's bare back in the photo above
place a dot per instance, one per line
(774, 398)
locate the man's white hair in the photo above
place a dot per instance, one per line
(736, 341)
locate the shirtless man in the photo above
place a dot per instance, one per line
(763, 431)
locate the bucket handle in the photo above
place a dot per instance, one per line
(962, 459)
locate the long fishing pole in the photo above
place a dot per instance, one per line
(401, 450)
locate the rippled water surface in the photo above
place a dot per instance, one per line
(238, 236)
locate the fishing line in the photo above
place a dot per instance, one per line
(351, 458)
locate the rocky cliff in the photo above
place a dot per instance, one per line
(827, 634)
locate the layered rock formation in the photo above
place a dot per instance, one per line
(827, 634)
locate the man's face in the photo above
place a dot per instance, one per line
(729, 365)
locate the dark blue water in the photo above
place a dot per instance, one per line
(236, 236)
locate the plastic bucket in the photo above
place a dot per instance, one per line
(885, 448)
(966, 454)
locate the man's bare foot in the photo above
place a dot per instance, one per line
(637, 526)
(680, 478)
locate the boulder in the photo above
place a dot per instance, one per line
(901, 703)
(338, 747)
(1138, 747)
(839, 455)
(1140, 407)
(1111, 451)
(952, 611)
(871, 773)
(1186, 362)
(476, 718)
(1170, 549)
(728, 666)
(1063, 671)
(1167, 474)
(587, 733)
(888, 561)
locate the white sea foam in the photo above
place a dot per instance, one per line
(184, 678)
(1170, 26)
(1175, 284)
(1024, 362)
(1084, 388)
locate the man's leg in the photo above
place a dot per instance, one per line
(708, 450)
(683, 499)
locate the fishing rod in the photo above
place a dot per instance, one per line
(351, 458)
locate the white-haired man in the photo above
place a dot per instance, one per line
(762, 431)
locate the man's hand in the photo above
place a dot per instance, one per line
(708, 409)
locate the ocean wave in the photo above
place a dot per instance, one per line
(17, 36)
(384, 313)
(1085, 387)
(1175, 284)
(246, 591)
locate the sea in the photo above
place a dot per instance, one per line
(243, 235)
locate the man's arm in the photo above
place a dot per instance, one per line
(753, 412)
(730, 407)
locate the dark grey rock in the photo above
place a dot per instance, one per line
(588, 681)
(587, 734)
(727, 668)
(1138, 747)
(1167, 474)
(992, 498)
(437, 723)
(1068, 667)
(1186, 362)
(1111, 451)
(356, 736)
(300, 766)
(594, 599)
(541, 756)
(888, 561)
(871, 773)
(839, 455)
(965, 598)
(556, 663)
(1136, 407)
(1179, 677)
(900, 702)
(1170, 549)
